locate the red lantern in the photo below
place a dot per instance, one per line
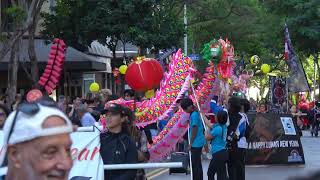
(144, 74)
(157, 72)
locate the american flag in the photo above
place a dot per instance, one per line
(297, 81)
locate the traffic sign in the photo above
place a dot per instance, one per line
(194, 57)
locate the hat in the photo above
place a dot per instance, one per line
(114, 109)
(106, 92)
(28, 126)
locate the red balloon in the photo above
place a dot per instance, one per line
(144, 75)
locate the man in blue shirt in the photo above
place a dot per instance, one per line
(197, 139)
(86, 119)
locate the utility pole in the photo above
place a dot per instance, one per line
(315, 59)
(185, 29)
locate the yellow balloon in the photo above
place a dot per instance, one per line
(94, 87)
(149, 94)
(254, 60)
(123, 69)
(265, 68)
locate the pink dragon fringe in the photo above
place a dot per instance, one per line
(177, 126)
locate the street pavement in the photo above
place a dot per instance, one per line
(311, 147)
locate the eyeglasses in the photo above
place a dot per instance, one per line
(30, 109)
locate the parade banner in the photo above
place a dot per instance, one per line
(85, 152)
(274, 140)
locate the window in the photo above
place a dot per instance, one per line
(88, 78)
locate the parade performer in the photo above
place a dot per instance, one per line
(218, 138)
(197, 140)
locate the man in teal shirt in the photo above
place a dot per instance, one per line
(197, 139)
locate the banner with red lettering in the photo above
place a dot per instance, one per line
(87, 162)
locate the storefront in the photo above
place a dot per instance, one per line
(80, 70)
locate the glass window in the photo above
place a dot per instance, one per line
(87, 80)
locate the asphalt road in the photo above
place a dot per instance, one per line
(311, 147)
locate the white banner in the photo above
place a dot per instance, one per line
(87, 162)
(288, 126)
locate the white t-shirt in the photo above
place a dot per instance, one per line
(241, 129)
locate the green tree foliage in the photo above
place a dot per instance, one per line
(167, 27)
(245, 23)
(303, 19)
(308, 65)
(146, 23)
(123, 20)
(66, 22)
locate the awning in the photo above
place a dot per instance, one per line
(75, 60)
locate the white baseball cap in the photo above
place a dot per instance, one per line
(27, 124)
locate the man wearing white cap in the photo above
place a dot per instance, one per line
(37, 142)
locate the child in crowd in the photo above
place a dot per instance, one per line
(117, 147)
(218, 138)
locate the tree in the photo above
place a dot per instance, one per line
(146, 23)
(66, 22)
(118, 21)
(245, 23)
(168, 29)
(22, 15)
(31, 48)
(303, 19)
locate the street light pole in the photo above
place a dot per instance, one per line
(185, 29)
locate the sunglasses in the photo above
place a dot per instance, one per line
(2, 114)
(30, 109)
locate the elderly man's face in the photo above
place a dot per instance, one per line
(43, 158)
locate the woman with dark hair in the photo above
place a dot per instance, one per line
(128, 94)
(140, 138)
(117, 146)
(4, 113)
(236, 140)
(218, 138)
